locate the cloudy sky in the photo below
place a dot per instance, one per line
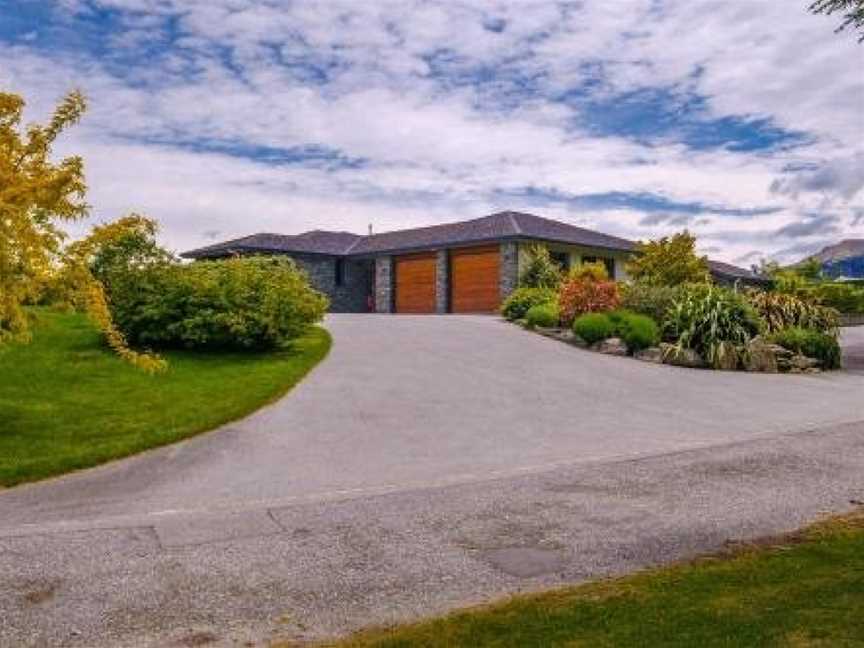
(742, 120)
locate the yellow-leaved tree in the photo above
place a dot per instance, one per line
(37, 195)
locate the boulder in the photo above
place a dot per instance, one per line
(611, 346)
(651, 354)
(803, 363)
(761, 356)
(728, 362)
(681, 357)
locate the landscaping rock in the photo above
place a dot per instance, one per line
(575, 340)
(552, 331)
(611, 346)
(681, 357)
(803, 363)
(651, 354)
(728, 362)
(761, 356)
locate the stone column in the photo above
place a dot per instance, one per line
(442, 282)
(384, 284)
(509, 277)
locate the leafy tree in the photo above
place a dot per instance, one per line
(852, 10)
(36, 195)
(540, 270)
(669, 261)
(102, 251)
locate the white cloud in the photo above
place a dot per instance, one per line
(358, 78)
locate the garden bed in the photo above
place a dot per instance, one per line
(762, 356)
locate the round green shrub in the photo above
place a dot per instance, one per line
(545, 315)
(638, 331)
(811, 343)
(594, 327)
(516, 306)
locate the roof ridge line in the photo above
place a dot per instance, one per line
(514, 223)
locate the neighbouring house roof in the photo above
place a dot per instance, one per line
(731, 273)
(498, 226)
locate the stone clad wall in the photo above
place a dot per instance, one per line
(384, 284)
(509, 278)
(442, 282)
(353, 295)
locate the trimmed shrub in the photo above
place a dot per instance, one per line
(646, 299)
(580, 295)
(780, 311)
(810, 343)
(241, 303)
(540, 270)
(545, 315)
(637, 331)
(594, 327)
(713, 321)
(520, 300)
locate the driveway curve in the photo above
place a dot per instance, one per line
(427, 463)
(412, 401)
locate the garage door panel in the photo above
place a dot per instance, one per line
(415, 283)
(474, 279)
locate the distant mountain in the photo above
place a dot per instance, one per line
(843, 259)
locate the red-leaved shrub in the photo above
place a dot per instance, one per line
(579, 295)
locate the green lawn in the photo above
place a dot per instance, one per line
(66, 402)
(805, 590)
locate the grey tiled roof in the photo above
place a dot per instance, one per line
(312, 242)
(501, 225)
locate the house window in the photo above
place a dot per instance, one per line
(562, 259)
(340, 272)
(607, 261)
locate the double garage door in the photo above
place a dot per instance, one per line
(474, 274)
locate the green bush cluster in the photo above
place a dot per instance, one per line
(516, 305)
(242, 303)
(637, 331)
(545, 315)
(713, 321)
(813, 344)
(844, 297)
(646, 299)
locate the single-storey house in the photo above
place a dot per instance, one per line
(463, 267)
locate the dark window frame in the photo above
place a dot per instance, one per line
(339, 272)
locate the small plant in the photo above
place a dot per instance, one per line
(595, 270)
(585, 294)
(715, 322)
(637, 331)
(779, 311)
(545, 315)
(522, 299)
(594, 327)
(540, 270)
(810, 343)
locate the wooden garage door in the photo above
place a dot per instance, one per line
(474, 274)
(415, 283)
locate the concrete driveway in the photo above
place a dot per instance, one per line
(406, 474)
